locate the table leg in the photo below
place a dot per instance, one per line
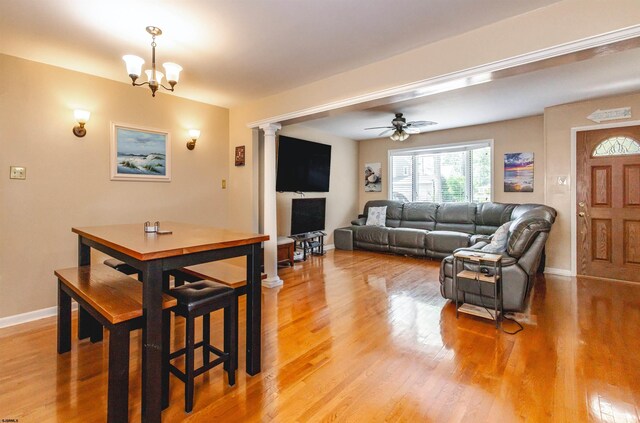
(152, 342)
(254, 310)
(88, 326)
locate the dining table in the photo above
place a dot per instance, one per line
(155, 255)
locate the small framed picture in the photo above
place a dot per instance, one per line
(240, 155)
(140, 154)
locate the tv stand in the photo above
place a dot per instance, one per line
(310, 243)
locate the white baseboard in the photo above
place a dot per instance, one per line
(558, 272)
(329, 247)
(30, 316)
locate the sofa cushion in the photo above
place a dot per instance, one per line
(394, 211)
(371, 234)
(408, 237)
(489, 216)
(419, 215)
(446, 241)
(457, 217)
(524, 230)
(377, 216)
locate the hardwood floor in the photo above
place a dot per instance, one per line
(359, 336)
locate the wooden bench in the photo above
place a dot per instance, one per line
(222, 271)
(110, 297)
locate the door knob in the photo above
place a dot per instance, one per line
(581, 214)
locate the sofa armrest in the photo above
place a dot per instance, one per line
(361, 221)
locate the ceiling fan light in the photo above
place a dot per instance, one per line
(395, 136)
(403, 136)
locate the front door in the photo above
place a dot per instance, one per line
(608, 203)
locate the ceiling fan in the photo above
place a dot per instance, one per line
(400, 129)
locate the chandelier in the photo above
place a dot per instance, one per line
(154, 77)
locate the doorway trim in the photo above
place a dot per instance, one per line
(574, 182)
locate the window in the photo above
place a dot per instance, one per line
(617, 146)
(449, 173)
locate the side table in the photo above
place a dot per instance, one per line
(493, 275)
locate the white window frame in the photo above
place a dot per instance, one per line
(441, 148)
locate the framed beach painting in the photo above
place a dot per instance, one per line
(140, 154)
(518, 172)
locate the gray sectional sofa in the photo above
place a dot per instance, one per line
(437, 230)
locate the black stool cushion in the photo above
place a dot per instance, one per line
(121, 266)
(200, 294)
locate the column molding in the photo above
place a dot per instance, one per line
(270, 218)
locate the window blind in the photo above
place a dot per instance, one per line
(460, 173)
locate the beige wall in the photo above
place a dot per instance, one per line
(68, 178)
(342, 198)
(559, 23)
(559, 122)
(511, 136)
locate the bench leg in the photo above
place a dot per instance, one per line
(88, 326)
(64, 320)
(118, 397)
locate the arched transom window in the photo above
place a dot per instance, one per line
(617, 146)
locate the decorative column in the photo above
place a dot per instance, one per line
(270, 223)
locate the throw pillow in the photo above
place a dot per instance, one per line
(499, 239)
(377, 216)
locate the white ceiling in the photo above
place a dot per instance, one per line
(237, 50)
(509, 98)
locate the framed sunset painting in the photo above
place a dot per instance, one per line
(518, 172)
(140, 154)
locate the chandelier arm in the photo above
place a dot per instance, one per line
(140, 84)
(167, 88)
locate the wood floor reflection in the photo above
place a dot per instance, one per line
(362, 337)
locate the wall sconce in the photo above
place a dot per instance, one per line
(194, 134)
(82, 117)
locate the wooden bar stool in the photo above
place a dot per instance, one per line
(200, 299)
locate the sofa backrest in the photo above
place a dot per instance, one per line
(471, 218)
(524, 230)
(490, 216)
(394, 211)
(419, 215)
(459, 217)
(547, 212)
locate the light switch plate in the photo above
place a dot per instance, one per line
(18, 172)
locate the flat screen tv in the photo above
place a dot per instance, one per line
(302, 165)
(307, 215)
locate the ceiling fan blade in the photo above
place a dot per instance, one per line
(421, 123)
(386, 132)
(380, 127)
(411, 130)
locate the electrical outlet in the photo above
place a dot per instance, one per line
(18, 172)
(224, 184)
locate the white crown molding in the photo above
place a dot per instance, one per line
(470, 73)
